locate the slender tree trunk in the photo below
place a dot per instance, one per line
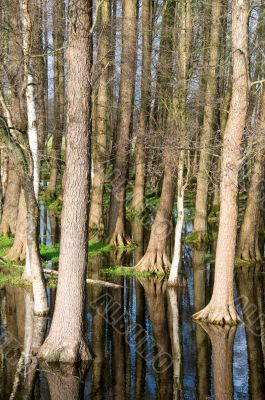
(10, 206)
(96, 225)
(66, 341)
(117, 234)
(139, 184)
(248, 246)
(201, 209)
(221, 309)
(59, 95)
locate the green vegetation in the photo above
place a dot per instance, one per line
(5, 244)
(127, 271)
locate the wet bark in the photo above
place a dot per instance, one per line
(102, 129)
(201, 208)
(117, 235)
(221, 309)
(66, 341)
(59, 95)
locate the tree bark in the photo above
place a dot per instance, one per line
(221, 309)
(248, 246)
(139, 183)
(117, 235)
(59, 95)
(66, 341)
(10, 206)
(102, 129)
(201, 209)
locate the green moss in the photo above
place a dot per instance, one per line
(5, 244)
(96, 247)
(127, 271)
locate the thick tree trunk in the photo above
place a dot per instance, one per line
(221, 309)
(59, 95)
(139, 184)
(117, 234)
(201, 209)
(66, 341)
(10, 207)
(96, 225)
(18, 250)
(248, 246)
(156, 258)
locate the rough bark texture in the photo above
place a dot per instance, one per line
(18, 250)
(248, 246)
(221, 309)
(10, 207)
(66, 341)
(102, 129)
(138, 193)
(156, 258)
(59, 95)
(201, 209)
(117, 234)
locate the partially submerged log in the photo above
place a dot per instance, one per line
(90, 281)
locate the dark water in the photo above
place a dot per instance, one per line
(145, 343)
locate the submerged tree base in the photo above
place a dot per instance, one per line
(154, 261)
(65, 351)
(218, 315)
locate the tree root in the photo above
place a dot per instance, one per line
(71, 352)
(154, 261)
(218, 315)
(120, 240)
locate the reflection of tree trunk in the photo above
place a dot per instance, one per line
(118, 345)
(175, 339)
(202, 342)
(155, 294)
(140, 362)
(250, 298)
(65, 382)
(222, 339)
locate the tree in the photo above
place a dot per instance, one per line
(201, 207)
(66, 341)
(102, 110)
(221, 308)
(117, 234)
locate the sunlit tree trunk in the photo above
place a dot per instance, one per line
(11, 200)
(139, 183)
(221, 309)
(248, 246)
(117, 234)
(102, 130)
(66, 341)
(200, 220)
(59, 95)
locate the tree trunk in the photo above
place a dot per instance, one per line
(248, 246)
(221, 309)
(59, 95)
(10, 206)
(66, 341)
(96, 225)
(117, 234)
(18, 250)
(139, 184)
(156, 258)
(201, 209)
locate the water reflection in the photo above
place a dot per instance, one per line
(146, 345)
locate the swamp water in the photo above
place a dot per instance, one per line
(145, 343)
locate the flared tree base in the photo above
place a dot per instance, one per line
(96, 232)
(17, 251)
(120, 239)
(70, 351)
(218, 315)
(154, 261)
(179, 281)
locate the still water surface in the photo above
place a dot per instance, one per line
(145, 343)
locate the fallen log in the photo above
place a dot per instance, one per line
(90, 281)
